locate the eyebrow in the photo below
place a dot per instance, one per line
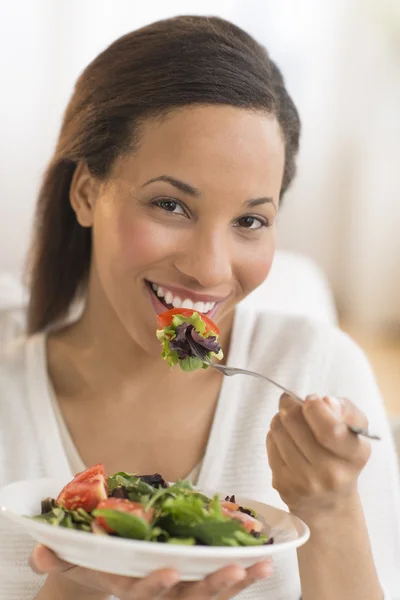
(186, 188)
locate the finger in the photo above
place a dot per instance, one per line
(158, 583)
(293, 421)
(258, 572)
(350, 413)
(332, 433)
(43, 561)
(275, 459)
(218, 582)
(280, 470)
(288, 450)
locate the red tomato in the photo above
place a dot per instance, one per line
(88, 474)
(123, 505)
(86, 490)
(165, 319)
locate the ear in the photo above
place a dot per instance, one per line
(82, 194)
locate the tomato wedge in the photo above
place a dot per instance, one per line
(90, 473)
(86, 490)
(126, 506)
(165, 319)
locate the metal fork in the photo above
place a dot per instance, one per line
(202, 354)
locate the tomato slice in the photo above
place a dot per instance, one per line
(85, 494)
(165, 319)
(126, 506)
(86, 490)
(90, 473)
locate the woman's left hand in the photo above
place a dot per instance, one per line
(314, 458)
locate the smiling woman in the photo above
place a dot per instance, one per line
(175, 151)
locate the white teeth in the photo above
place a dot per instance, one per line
(176, 302)
(187, 304)
(200, 306)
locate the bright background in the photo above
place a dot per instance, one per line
(341, 60)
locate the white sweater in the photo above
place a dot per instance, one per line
(303, 355)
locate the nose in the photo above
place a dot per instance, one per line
(206, 258)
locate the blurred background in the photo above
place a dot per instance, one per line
(341, 61)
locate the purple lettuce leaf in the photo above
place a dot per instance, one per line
(181, 342)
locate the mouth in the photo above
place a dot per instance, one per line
(165, 299)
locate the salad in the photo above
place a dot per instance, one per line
(182, 329)
(148, 508)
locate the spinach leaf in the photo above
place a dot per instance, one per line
(125, 525)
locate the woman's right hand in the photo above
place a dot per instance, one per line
(71, 582)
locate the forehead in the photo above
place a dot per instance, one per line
(217, 146)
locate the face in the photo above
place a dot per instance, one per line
(188, 219)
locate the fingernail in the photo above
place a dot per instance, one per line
(334, 404)
(312, 397)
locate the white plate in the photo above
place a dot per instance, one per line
(137, 558)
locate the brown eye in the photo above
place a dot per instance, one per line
(171, 206)
(250, 222)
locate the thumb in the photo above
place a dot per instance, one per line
(43, 561)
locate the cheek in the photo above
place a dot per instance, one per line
(142, 242)
(255, 265)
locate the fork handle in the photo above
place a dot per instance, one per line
(235, 371)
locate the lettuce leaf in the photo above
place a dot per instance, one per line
(188, 517)
(177, 350)
(126, 525)
(70, 519)
(132, 485)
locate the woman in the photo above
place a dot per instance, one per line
(176, 149)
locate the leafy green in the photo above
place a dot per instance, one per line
(71, 519)
(189, 363)
(181, 515)
(126, 525)
(187, 517)
(133, 485)
(177, 488)
(183, 541)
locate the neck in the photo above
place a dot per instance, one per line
(97, 354)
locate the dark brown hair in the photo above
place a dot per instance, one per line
(171, 63)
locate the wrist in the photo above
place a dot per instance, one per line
(346, 509)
